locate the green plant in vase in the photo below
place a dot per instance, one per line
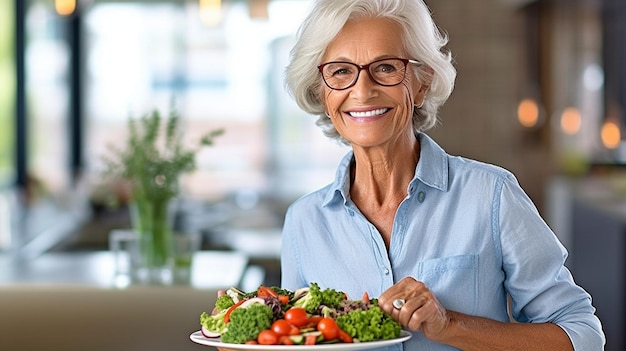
(152, 161)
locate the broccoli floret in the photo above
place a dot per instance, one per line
(332, 298)
(368, 325)
(224, 302)
(214, 323)
(308, 300)
(246, 323)
(314, 297)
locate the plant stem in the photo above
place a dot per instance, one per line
(161, 233)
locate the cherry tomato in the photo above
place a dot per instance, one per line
(285, 340)
(281, 327)
(284, 299)
(296, 316)
(312, 321)
(267, 337)
(294, 330)
(329, 328)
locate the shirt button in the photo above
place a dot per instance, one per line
(351, 213)
(386, 271)
(420, 196)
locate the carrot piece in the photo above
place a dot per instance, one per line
(366, 298)
(310, 339)
(231, 309)
(264, 291)
(344, 336)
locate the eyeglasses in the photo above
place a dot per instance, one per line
(386, 72)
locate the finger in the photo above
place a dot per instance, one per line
(404, 289)
(431, 318)
(412, 313)
(385, 299)
(418, 314)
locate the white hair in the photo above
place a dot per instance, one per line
(422, 40)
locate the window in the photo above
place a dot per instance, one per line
(141, 56)
(7, 94)
(47, 93)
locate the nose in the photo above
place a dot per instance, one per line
(365, 68)
(364, 83)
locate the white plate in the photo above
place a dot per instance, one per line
(197, 337)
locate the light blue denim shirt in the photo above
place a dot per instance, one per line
(466, 229)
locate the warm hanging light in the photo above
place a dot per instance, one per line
(528, 113)
(571, 121)
(211, 12)
(610, 135)
(258, 9)
(65, 7)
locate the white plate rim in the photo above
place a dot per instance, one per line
(197, 337)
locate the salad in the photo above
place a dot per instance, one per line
(307, 316)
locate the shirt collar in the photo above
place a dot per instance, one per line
(340, 188)
(432, 170)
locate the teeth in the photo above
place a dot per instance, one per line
(371, 113)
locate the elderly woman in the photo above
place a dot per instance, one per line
(450, 237)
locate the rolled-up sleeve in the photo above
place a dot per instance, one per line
(541, 287)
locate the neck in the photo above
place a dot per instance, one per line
(382, 174)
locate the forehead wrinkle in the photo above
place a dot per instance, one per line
(376, 58)
(361, 47)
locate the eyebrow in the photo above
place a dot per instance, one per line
(345, 59)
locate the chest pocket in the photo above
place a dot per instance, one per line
(453, 280)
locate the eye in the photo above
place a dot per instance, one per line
(385, 68)
(340, 70)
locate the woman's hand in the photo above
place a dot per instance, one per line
(421, 309)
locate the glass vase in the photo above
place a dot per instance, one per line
(152, 222)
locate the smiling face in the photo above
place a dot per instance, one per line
(368, 114)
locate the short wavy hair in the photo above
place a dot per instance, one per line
(422, 40)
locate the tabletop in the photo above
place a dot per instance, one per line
(209, 270)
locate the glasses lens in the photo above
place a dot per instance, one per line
(387, 72)
(340, 75)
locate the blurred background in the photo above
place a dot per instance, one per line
(541, 91)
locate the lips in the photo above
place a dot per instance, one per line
(368, 114)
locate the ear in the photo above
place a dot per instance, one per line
(422, 84)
